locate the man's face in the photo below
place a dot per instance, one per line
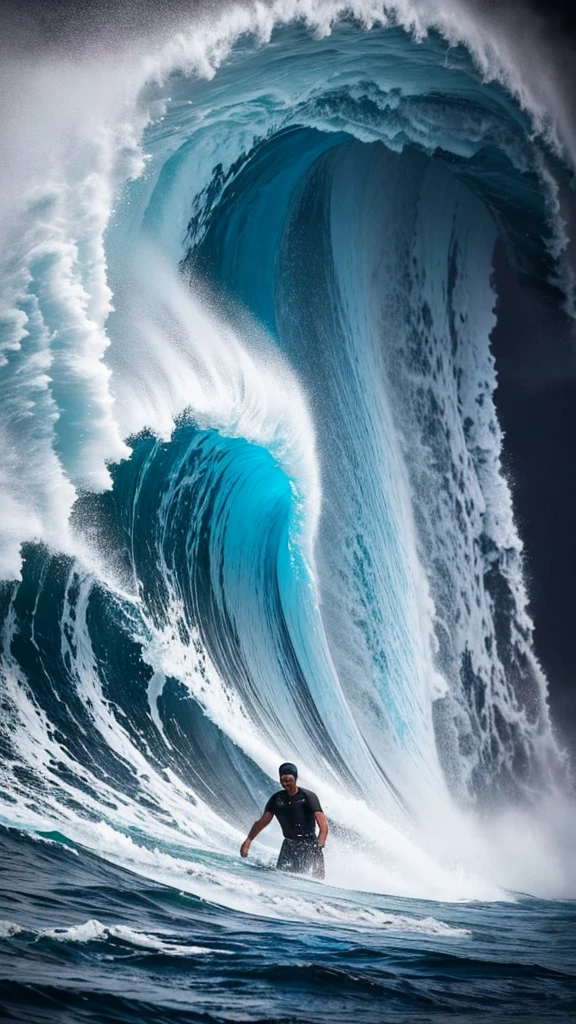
(287, 781)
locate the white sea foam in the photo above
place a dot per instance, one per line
(94, 931)
(177, 357)
(9, 928)
(297, 909)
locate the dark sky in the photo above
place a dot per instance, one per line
(533, 343)
(40, 23)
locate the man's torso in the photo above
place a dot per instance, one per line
(295, 813)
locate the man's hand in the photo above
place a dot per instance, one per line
(255, 831)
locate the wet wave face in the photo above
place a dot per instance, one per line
(254, 508)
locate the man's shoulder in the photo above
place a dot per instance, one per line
(275, 796)
(312, 800)
(308, 793)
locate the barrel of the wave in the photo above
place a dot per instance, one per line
(298, 811)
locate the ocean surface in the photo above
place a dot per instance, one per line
(254, 508)
(128, 948)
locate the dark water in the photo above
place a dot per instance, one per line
(516, 963)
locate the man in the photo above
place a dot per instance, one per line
(297, 810)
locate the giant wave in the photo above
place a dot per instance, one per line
(254, 500)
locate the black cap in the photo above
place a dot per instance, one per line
(288, 769)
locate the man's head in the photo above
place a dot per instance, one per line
(288, 773)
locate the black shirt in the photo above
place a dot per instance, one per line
(295, 813)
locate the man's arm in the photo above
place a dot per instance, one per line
(323, 826)
(254, 831)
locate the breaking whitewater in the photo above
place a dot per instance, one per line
(253, 508)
